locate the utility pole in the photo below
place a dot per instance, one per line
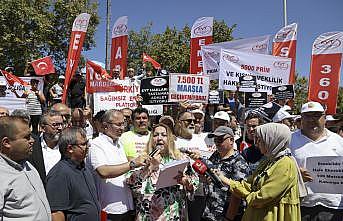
(108, 44)
(284, 12)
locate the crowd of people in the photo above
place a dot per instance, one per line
(64, 162)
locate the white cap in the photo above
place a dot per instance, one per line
(281, 115)
(222, 115)
(312, 107)
(197, 111)
(61, 77)
(286, 107)
(330, 118)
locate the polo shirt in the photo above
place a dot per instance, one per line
(71, 188)
(303, 147)
(114, 194)
(22, 195)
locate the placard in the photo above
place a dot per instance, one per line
(154, 110)
(247, 82)
(283, 92)
(155, 90)
(327, 173)
(267, 111)
(193, 88)
(216, 97)
(255, 99)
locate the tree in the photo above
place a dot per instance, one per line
(301, 92)
(32, 29)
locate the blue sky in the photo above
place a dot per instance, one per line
(253, 18)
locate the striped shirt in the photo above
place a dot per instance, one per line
(33, 104)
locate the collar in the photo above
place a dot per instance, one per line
(140, 133)
(12, 163)
(109, 139)
(43, 143)
(325, 137)
(73, 164)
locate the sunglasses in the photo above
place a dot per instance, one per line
(189, 121)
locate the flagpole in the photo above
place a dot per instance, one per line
(108, 21)
(285, 12)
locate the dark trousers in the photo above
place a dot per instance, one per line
(196, 208)
(128, 216)
(34, 123)
(321, 213)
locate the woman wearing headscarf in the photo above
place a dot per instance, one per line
(273, 191)
(167, 203)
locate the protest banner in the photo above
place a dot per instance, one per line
(285, 45)
(155, 90)
(201, 34)
(283, 92)
(269, 70)
(97, 79)
(8, 98)
(78, 35)
(126, 98)
(216, 97)
(247, 81)
(119, 46)
(43, 66)
(193, 88)
(154, 110)
(255, 99)
(211, 53)
(12, 79)
(267, 111)
(325, 70)
(327, 173)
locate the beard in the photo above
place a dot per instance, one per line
(52, 137)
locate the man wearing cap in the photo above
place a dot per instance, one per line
(132, 77)
(56, 91)
(220, 203)
(314, 140)
(283, 117)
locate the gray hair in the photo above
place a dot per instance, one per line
(69, 136)
(21, 113)
(45, 117)
(108, 115)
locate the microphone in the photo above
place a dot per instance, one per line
(203, 168)
(157, 148)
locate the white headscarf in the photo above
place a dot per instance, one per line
(276, 138)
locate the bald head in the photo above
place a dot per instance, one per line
(4, 112)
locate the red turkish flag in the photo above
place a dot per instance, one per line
(43, 66)
(11, 79)
(147, 58)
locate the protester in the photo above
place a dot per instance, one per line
(127, 112)
(97, 121)
(82, 118)
(4, 112)
(169, 121)
(34, 100)
(314, 140)
(65, 112)
(56, 91)
(70, 186)
(22, 193)
(115, 74)
(45, 152)
(135, 140)
(77, 91)
(220, 203)
(24, 114)
(272, 192)
(108, 161)
(168, 203)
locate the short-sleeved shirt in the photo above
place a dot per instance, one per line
(22, 195)
(234, 167)
(134, 143)
(58, 90)
(71, 189)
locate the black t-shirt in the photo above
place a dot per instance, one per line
(71, 188)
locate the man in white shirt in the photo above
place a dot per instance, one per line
(314, 140)
(107, 159)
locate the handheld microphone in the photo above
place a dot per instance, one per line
(157, 148)
(202, 168)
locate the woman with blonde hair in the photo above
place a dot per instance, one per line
(168, 203)
(273, 191)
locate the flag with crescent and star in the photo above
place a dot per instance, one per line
(43, 66)
(11, 79)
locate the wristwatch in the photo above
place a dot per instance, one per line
(132, 164)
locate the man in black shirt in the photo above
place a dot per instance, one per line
(70, 185)
(77, 91)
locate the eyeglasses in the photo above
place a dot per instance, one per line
(82, 145)
(189, 121)
(56, 125)
(221, 139)
(123, 124)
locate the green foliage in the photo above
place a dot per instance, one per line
(32, 29)
(301, 92)
(170, 48)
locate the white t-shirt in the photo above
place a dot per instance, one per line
(134, 143)
(50, 155)
(114, 194)
(303, 147)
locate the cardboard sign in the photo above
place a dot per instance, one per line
(247, 82)
(269, 70)
(327, 173)
(255, 99)
(193, 88)
(154, 110)
(216, 97)
(155, 90)
(283, 92)
(268, 111)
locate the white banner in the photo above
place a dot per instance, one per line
(202, 27)
(327, 173)
(120, 27)
(269, 70)
(211, 53)
(193, 88)
(8, 98)
(154, 110)
(117, 100)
